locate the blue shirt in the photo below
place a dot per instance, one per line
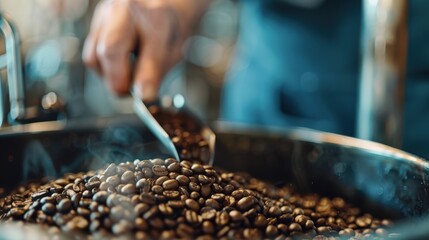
(300, 67)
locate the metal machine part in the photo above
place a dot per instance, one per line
(12, 61)
(382, 80)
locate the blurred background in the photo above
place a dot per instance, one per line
(52, 35)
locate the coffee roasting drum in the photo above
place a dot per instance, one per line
(382, 181)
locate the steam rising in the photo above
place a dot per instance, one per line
(37, 161)
(75, 153)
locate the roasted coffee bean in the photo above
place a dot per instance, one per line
(252, 233)
(151, 213)
(184, 192)
(144, 185)
(185, 231)
(141, 208)
(100, 197)
(169, 161)
(29, 215)
(39, 195)
(83, 211)
(76, 199)
(91, 185)
(283, 228)
(208, 227)
(295, 227)
(203, 179)
(161, 180)
(141, 224)
(87, 194)
(192, 217)
(186, 171)
(245, 203)
(220, 197)
(93, 206)
(171, 194)
(222, 218)
(213, 204)
(157, 189)
(127, 176)
(128, 189)
(145, 164)
(113, 180)
(271, 231)
(147, 172)
(158, 161)
(195, 195)
(103, 210)
(194, 187)
(147, 198)
(156, 223)
(159, 170)
(176, 204)
(274, 211)
(110, 170)
(165, 209)
(209, 215)
(47, 200)
(206, 191)
(192, 204)
(236, 216)
(49, 208)
(64, 206)
(363, 221)
(260, 221)
(321, 230)
(121, 227)
(94, 226)
(171, 184)
(174, 167)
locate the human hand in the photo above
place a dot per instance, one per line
(154, 29)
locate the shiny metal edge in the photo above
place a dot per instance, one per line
(320, 137)
(143, 112)
(33, 128)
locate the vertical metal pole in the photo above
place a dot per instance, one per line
(382, 79)
(14, 73)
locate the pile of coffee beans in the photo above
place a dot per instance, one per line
(165, 199)
(185, 132)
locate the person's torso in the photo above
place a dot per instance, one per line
(305, 63)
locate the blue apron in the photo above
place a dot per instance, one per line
(300, 67)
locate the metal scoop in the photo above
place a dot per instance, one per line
(155, 127)
(143, 112)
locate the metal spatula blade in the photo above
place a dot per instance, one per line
(144, 114)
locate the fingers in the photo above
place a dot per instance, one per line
(116, 28)
(109, 45)
(149, 72)
(89, 55)
(152, 64)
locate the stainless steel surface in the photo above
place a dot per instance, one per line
(14, 74)
(384, 44)
(376, 177)
(143, 112)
